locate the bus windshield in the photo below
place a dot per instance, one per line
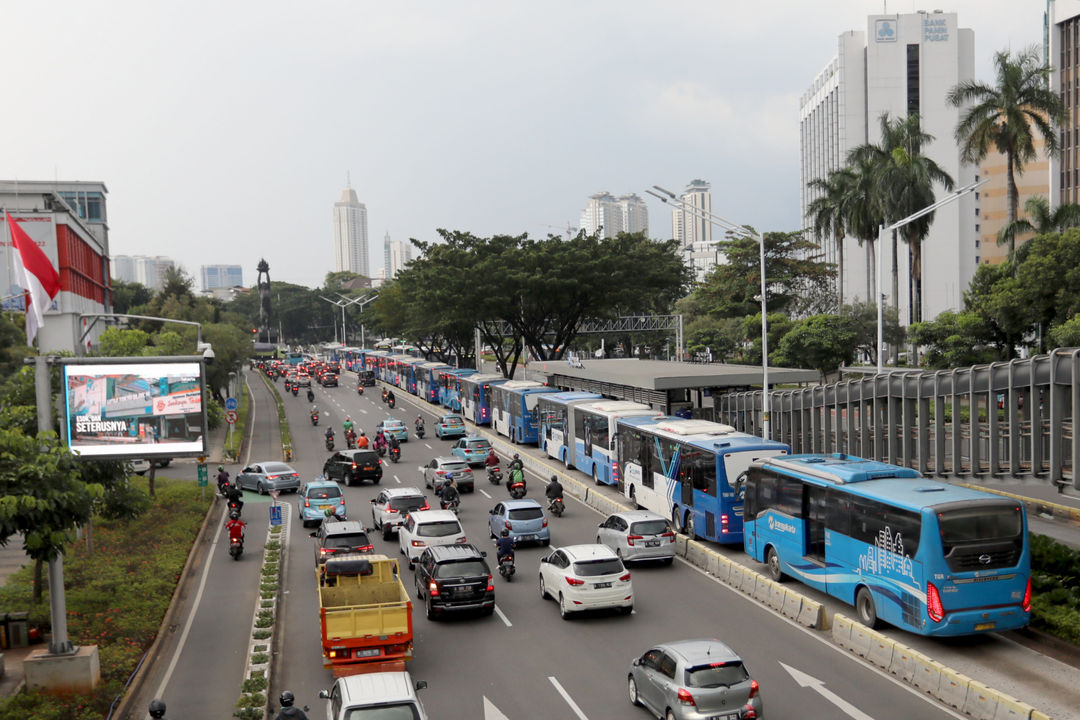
(980, 524)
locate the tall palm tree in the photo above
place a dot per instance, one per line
(1007, 115)
(1041, 219)
(863, 215)
(905, 180)
(827, 212)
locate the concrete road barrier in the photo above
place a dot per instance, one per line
(927, 676)
(902, 664)
(811, 614)
(981, 701)
(860, 639)
(881, 649)
(953, 688)
(1009, 708)
(841, 630)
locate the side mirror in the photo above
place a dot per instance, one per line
(421, 684)
(311, 534)
(372, 501)
(412, 565)
(637, 661)
(544, 560)
(491, 511)
(599, 526)
(483, 553)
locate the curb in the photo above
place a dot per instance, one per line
(265, 646)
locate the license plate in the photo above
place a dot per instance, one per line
(372, 652)
(652, 543)
(725, 716)
(984, 626)
(599, 586)
(528, 537)
(369, 467)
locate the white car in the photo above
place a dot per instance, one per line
(382, 694)
(391, 506)
(425, 528)
(586, 577)
(638, 535)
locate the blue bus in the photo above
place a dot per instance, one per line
(427, 380)
(556, 433)
(450, 387)
(294, 357)
(594, 435)
(692, 471)
(512, 409)
(476, 396)
(923, 555)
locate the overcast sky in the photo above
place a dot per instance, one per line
(224, 130)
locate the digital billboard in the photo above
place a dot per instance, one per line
(135, 410)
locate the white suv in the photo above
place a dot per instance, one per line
(586, 577)
(383, 694)
(425, 528)
(391, 506)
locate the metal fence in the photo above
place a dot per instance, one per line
(1007, 419)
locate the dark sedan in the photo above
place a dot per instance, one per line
(349, 466)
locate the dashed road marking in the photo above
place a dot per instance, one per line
(503, 617)
(484, 493)
(569, 700)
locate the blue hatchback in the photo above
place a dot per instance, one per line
(320, 499)
(524, 519)
(447, 426)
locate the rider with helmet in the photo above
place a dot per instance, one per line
(222, 479)
(347, 425)
(516, 463)
(554, 489)
(288, 710)
(157, 709)
(492, 460)
(362, 441)
(448, 493)
(235, 526)
(504, 546)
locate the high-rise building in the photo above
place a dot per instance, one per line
(993, 200)
(1063, 54)
(901, 65)
(634, 214)
(607, 216)
(68, 221)
(350, 234)
(396, 254)
(691, 227)
(148, 271)
(215, 277)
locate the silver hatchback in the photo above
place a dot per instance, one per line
(638, 535)
(694, 680)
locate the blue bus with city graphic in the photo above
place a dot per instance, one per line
(554, 413)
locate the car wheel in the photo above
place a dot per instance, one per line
(669, 560)
(545, 543)
(626, 610)
(261, 489)
(386, 532)
(598, 540)
(429, 610)
(376, 481)
(864, 606)
(564, 610)
(772, 561)
(669, 715)
(543, 590)
(631, 688)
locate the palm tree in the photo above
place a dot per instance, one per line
(1042, 219)
(827, 211)
(863, 215)
(1004, 115)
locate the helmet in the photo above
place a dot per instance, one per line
(220, 468)
(554, 479)
(234, 515)
(348, 418)
(505, 533)
(287, 698)
(157, 708)
(516, 456)
(363, 434)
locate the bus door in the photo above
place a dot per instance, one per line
(814, 512)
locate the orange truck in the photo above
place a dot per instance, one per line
(365, 614)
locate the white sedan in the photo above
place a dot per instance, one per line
(586, 577)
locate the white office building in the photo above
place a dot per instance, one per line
(693, 230)
(607, 216)
(142, 269)
(350, 234)
(216, 277)
(901, 64)
(396, 254)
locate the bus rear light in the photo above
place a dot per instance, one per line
(934, 609)
(631, 538)
(615, 471)
(1026, 605)
(723, 519)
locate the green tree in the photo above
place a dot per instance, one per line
(749, 352)
(863, 215)
(129, 295)
(954, 340)
(1067, 334)
(822, 342)
(862, 319)
(828, 215)
(120, 342)
(1007, 115)
(1041, 220)
(13, 347)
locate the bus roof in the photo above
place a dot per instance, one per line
(484, 378)
(561, 398)
(840, 469)
(521, 384)
(433, 365)
(617, 406)
(682, 426)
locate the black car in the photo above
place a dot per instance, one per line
(350, 466)
(328, 379)
(454, 578)
(340, 537)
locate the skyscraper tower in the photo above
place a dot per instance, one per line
(350, 234)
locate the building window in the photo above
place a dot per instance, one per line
(976, 239)
(977, 196)
(913, 79)
(976, 229)
(976, 259)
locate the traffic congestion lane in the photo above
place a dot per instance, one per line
(539, 660)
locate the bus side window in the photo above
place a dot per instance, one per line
(838, 513)
(749, 480)
(789, 496)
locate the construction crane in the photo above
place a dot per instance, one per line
(570, 230)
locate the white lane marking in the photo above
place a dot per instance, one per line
(503, 617)
(491, 712)
(818, 686)
(484, 493)
(363, 411)
(194, 609)
(428, 446)
(397, 480)
(569, 700)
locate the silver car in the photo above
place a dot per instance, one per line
(638, 535)
(441, 469)
(694, 680)
(266, 476)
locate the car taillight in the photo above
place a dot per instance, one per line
(365, 548)
(631, 538)
(934, 608)
(1026, 605)
(306, 503)
(686, 698)
(461, 540)
(625, 578)
(426, 507)
(574, 581)
(418, 543)
(440, 472)
(390, 509)
(433, 589)
(669, 535)
(342, 501)
(508, 525)
(490, 587)
(354, 465)
(753, 688)
(271, 477)
(545, 523)
(748, 712)
(326, 551)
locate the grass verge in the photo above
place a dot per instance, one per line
(1055, 586)
(116, 598)
(283, 422)
(233, 444)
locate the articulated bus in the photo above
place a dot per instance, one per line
(513, 409)
(476, 396)
(556, 434)
(692, 471)
(594, 435)
(427, 380)
(450, 387)
(923, 555)
(399, 370)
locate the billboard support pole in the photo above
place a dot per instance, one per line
(60, 645)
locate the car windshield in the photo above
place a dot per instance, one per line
(330, 491)
(407, 503)
(591, 568)
(277, 468)
(528, 513)
(649, 527)
(462, 568)
(716, 675)
(455, 467)
(442, 528)
(393, 711)
(341, 542)
(366, 458)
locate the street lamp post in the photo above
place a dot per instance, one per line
(669, 197)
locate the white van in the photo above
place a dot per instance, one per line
(375, 695)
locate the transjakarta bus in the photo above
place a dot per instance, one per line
(692, 471)
(594, 435)
(513, 409)
(476, 396)
(923, 555)
(427, 380)
(450, 387)
(556, 435)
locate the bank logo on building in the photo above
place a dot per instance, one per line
(885, 30)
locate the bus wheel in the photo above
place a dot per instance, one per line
(633, 497)
(864, 606)
(688, 524)
(595, 477)
(772, 561)
(676, 520)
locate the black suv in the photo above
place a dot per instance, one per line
(340, 537)
(348, 466)
(454, 578)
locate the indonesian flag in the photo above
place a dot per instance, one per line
(41, 277)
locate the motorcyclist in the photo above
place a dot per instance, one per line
(492, 460)
(234, 495)
(419, 424)
(310, 394)
(380, 442)
(235, 526)
(362, 441)
(288, 710)
(384, 393)
(394, 443)
(348, 424)
(157, 709)
(222, 479)
(350, 437)
(504, 546)
(390, 397)
(448, 493)
(554, 489)
(516, 475)
(516, 463)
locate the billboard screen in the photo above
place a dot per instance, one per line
(138, 409)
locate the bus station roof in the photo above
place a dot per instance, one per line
(669, 375)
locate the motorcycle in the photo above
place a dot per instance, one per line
(451, 505)
(557, 507)
(295, 390)
(310, 395)
(517, 490)
(359, 389)
(330, 443)
(384, 394)
(494, 475)
(380, 450)
(506, 567)
(391, 402)
(236, 548)
(395, 454)
(350, 440)
(235, 506)
(420, 431)
(314, 418)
